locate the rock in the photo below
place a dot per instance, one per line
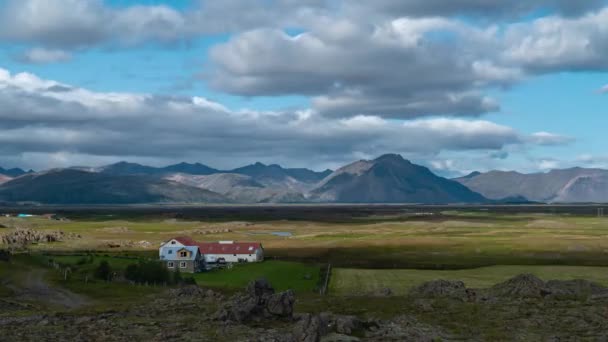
(24, 237)
(441, 289)
(405, 328)
(347, 324)
(281, 304)
(521, 286)
(259, 302)
(260, 288)
(188, 291)
(569, 289)
(309, 328)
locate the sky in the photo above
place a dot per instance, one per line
(458, 86)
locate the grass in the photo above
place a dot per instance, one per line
(366, 281)
(282, 275)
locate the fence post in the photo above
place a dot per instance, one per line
(327, 275)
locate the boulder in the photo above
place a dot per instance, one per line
(281, 304)
(347, 324)
(309, 328)
(258, 302)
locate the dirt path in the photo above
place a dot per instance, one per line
(33, 287)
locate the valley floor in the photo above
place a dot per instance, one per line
(376, 262)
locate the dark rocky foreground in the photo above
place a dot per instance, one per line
(524, 308)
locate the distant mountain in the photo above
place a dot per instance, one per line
(567, 185)
(193, 169)
(70, 186)
(12, 173)
(239, 188)
(275, 176)
(125, 168)
(390, 179)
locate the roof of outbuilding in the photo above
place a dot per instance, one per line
(229, 248)
(217, 247)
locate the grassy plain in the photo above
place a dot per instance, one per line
(451, 239)
(365, 281)
(468, 242)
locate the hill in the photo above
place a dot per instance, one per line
(69, 186)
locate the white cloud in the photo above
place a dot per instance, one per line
(44, 118)
(604, 89)
(558, 44)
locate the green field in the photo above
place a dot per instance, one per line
(365, 281)
(282, 275)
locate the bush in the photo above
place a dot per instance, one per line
(103, 271)
(150, 272)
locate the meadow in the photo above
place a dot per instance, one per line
(369, 248)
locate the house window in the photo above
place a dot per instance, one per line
(182, 264)
(170, 252)
(183, 254)
(234, 254)
(170, 264)
(173, 242)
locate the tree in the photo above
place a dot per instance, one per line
(104, 271)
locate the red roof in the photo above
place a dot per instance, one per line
(186, 241)
(221, 248)
(229, 248)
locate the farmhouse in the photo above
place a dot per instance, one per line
(191, 256)
(182, 253)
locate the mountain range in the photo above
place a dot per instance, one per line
(387, 179)
(573, 185)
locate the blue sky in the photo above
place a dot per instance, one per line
(457, 87)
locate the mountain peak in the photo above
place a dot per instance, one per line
(390, 157)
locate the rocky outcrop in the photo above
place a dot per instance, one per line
(521, 286)
(194, 291)
(259, 302)
(442, 289)
(24, 237)
(578, 288)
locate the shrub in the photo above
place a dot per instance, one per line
(103, 271)
(151, 272)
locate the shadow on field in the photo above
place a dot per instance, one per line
(397, 258)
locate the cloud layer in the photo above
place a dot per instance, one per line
(46, 117)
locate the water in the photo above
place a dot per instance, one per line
(284, 234)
